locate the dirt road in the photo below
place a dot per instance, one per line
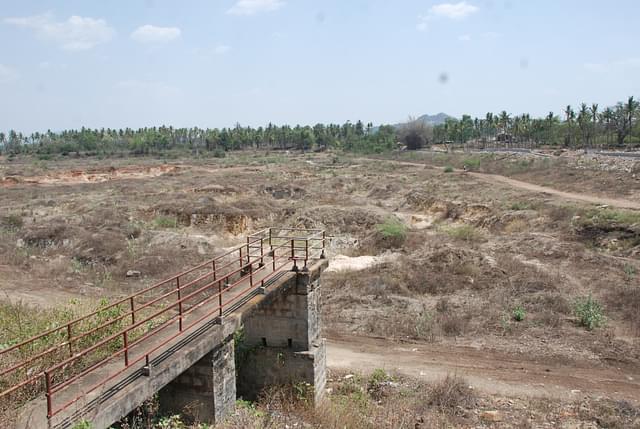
(489, 371)
(572, 196)
(585, 198)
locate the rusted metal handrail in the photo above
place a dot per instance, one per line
(208, 288)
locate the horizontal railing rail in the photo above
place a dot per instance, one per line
(134, 333)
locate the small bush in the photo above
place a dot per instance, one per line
(391, 234)
(165, 222)
(519, 313)
(376, 383)
(589, 312)
(219, 153)
(448, 169)
(464, 232)
(519, 205)
(629, 271)
(392, 228)
(12, 222)
(451, 395)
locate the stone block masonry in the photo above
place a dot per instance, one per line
(282, 341)
(205, 392)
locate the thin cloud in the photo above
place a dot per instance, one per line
(455, 11)
(8, 74)
(252, 7)
(464, 38)
(75, 34)
(153, 34)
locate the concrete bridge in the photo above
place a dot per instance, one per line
(227, 328)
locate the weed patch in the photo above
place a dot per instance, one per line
(589, 312)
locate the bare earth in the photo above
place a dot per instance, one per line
(489, 371)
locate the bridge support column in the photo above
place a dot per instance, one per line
(206, 392)
(281, 341)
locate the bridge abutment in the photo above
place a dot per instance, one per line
(206, 392)
(281, 342)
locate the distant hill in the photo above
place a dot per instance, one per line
(437, 119)
(432, 120)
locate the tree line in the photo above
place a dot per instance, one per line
(586, 127)
(156, 140)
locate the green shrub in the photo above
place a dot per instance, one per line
(589, 312)
(519, 205)
(471, 163)
(464, 232)
(519, 313)
(392, 228)
(12, 222)
(165, 222)
(83, 424)
(448, 169)
(219, 153)
(609, 216)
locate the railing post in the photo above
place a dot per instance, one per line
(261, 251)
(213, 267)
(273, 258)
(47, 381)
(240, 258)
(179, 304)
(69, 336)
(133, 311)
(306, 251)
(248, 252)
(220, 296)
(293, 255)
(322, 256)
(125, 338)
(250, 275)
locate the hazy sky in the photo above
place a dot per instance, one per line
(213, 63)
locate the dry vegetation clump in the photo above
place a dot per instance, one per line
(357, 401)
(451, 395)
(442, 268)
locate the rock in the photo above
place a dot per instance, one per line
(491, 416)
(20, 243)
(348, 376)
(133, 273)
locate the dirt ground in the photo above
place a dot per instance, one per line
(443, 289)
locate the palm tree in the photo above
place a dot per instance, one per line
(607, 117)
(584, 120)
(570, 115)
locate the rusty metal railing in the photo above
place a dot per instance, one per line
(138, 327)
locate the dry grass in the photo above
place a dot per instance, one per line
(452, 395)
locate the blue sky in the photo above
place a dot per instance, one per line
(213, 63)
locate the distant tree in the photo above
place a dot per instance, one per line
(415, 134)
(624, 118)
(570, 117)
